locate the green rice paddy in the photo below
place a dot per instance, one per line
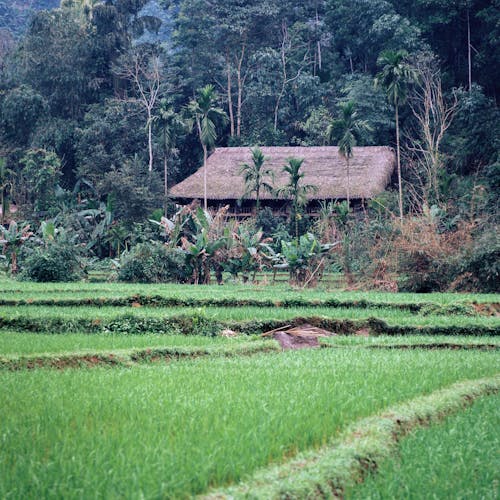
(137, 428)
(456, 459)
(174, 431)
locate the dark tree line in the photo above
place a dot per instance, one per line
(79, 84)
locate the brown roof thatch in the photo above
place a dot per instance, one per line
(370, 171)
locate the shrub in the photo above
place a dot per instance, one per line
(153, 263)
(482, 266)
(57, 261)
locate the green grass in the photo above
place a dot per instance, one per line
(10, 289)
(456, 459)
(176, 430)
(392, 317)
(17, 343)
(389, 340)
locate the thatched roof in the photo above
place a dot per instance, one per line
(370, 171)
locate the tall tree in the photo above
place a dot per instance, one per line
(206, 114)
(143, 70)
(395, 77)
(255, 175)
(171, 125)
(296, 190)
(347, 129)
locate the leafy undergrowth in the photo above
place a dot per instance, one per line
(359, 451)
(456, 459)
(177, 429)
(125, 358)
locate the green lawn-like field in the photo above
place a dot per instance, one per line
(134, 426)
(21, 343)
(392, 317)
(10, 289)
(457, 459)
(175, 431)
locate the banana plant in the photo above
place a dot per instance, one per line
(303, 258)
(12, 238)
(244, 254)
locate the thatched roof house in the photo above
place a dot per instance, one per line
(370, 172)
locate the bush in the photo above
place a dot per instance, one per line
(57, 261)
(153, 263)
(483, 264)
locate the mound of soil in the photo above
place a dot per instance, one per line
(299, 337)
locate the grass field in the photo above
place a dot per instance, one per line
(211, 416)
(445, 470)
(10, 289)
(19, 343)
(177, 430)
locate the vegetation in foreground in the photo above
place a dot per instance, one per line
(177, 430)
(455, 459)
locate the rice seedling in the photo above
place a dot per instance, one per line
(174, 431)
(455, 459)
(242, 314)
(10, 289)
(17, 343)
(414, 340)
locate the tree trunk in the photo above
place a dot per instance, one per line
(348, 182)
(398, 156)
(150, 142)
(205, 154)
(241, 83)
(165, 181)
(469, 54)
(13, 262)
(230, 96)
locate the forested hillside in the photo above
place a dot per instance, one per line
(102, 101)
(15, 14)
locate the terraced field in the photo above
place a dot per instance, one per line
(171, 392)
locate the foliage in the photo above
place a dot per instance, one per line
(12, 238)
(152, 263)
(58, 260)
(41, 173)
(295, 190)
(244, 251)
(305, 259)
(255, 175)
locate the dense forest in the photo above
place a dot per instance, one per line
(100, 99)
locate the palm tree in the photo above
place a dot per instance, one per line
(171, 125)
(5, 186)
(254, 175)
(395, 77)
(206, 114)
(295, 189)
(346, 129)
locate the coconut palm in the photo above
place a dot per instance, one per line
(255, 174)
(395, 77)
(347, 129)
(205, 114)
(295, 189)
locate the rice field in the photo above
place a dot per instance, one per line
(177, 430)
(221, 408)
(445, 470)
(22, 343)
